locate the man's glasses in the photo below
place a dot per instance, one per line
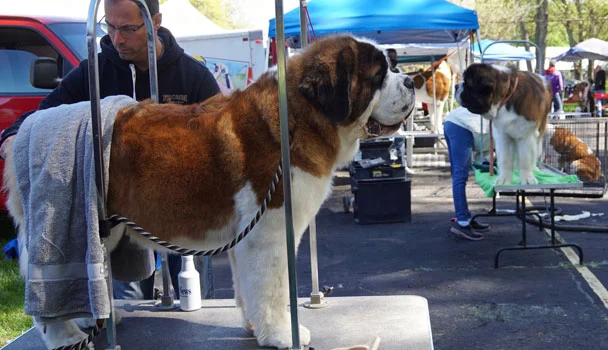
(126, 31)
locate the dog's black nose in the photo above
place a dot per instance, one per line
(408, 82)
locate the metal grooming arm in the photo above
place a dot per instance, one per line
(291, 249)
(94, 96)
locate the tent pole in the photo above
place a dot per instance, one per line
(316, 297)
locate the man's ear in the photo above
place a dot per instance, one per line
(329, 89)
(157, 19)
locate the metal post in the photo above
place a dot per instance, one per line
(166, 301)
(291, 250)
(94, 97)
(317, 299)
(91, 34)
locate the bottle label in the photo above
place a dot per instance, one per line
(185, 292)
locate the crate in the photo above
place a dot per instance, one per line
(379, 201)
(578, 146)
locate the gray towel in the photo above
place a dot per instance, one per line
(54, 165)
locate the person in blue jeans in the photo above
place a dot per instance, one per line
(462, 131)
(144, 290)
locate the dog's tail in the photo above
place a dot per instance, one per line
(13, 204)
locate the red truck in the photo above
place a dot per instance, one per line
(51, 45)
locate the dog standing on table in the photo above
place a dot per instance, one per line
(202, 171)
(518, 104)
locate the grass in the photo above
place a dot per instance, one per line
(13, 322)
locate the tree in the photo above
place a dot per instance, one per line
(224, 13)
(541, 21)
(554, 23)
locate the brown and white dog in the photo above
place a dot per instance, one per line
(517, 103)
(203, 170)
(423, 82)
(573, 155)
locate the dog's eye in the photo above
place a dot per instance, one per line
(377, 79)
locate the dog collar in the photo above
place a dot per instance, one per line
(509, 94)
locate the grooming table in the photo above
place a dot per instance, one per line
(401, 322)
(549, 179)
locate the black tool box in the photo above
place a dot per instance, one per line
(379, 184)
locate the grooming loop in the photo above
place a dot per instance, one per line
(237, 239)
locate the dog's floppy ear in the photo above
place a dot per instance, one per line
(332, 96)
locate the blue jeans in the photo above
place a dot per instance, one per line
(556, 102)
(460, 150)
(144, 290)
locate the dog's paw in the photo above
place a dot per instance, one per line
(247, 325)
(502, 180)
(281, 338)
(528, 179)
(65, 333)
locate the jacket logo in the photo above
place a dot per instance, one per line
(179, 99)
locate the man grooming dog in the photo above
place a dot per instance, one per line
(517, 103)
(204, 170)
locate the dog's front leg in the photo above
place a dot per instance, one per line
(261, 270)
(505, 153)
(527, 154)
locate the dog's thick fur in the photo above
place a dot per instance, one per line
(196, 175)
(518, 111)
(574, 156)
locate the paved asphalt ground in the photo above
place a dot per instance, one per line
(537, 299)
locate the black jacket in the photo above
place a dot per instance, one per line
(600, 80)
(181, 79)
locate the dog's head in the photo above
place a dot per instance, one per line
(349, 81)
(483, 88)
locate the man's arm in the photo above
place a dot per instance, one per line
(207, 86)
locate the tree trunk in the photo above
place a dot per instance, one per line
(540, 33)
(524, 36)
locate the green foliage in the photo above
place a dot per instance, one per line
(13, 322)
(568, 22)
(217, 11)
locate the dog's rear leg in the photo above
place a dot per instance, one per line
(62, 333)
(247, 325)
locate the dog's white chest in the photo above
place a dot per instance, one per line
(514, 125)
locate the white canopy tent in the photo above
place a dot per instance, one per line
(183, 19)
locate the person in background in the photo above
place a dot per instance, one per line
(393, 61)
(554, 77)
(123, 70)
(462, 130)
(600, 79)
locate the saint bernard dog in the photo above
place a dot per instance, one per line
(430, 92)
(203, 170)
(517, 103)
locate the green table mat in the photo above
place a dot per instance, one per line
(486, 182)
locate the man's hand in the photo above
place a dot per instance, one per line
(7, 146)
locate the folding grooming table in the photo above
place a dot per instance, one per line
(549, 179)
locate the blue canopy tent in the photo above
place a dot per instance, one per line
(387, 22)
(500, 52)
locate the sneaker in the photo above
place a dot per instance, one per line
(479, 227)
(465, 232)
